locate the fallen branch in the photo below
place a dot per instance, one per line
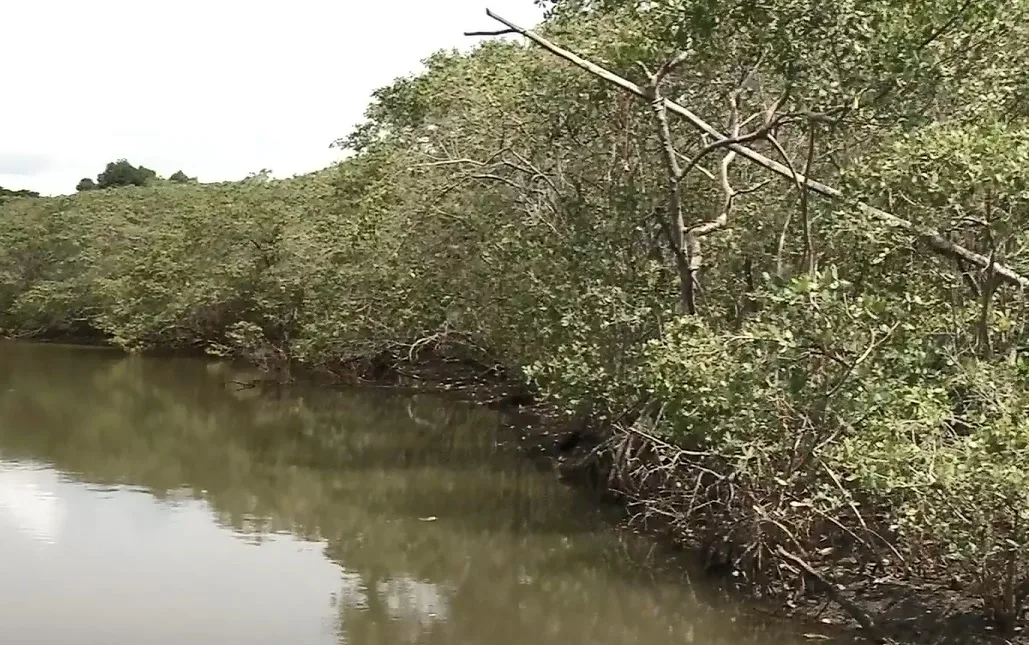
(931, 236)
(867, 624)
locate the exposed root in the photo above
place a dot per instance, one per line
(706, 501)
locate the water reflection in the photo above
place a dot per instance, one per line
(28, 503)
(127, 568)
(172, 508)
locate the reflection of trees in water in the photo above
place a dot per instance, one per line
(498, 597)
(294, 460)
(397, 610)
(511, 553)
(423, 603)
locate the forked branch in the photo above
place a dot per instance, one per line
(674, 224)
(930, 236)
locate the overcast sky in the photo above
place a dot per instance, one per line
(217, 88)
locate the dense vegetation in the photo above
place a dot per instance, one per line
(796, 382)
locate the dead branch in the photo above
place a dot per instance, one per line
(448, 162)
(788, 220)
(707, 173)
(867, 624)
(929, 235)
(688, 238)
(760, 133)
(501, 32)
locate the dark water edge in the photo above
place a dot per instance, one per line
(536, 435)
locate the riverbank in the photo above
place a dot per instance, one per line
(587, 456)
(862, 607)
(897, 611)
(904, 612)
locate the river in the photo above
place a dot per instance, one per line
(149, 501)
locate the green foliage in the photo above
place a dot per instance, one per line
(860, 391)
(180, 177)
(965, 178)
(122, 173)
(85, 184)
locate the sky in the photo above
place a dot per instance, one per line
(216, 88)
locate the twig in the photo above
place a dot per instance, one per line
(809, 248)
(873, 344)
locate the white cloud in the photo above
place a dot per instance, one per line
(218, 88)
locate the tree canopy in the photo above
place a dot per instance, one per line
(122, 173)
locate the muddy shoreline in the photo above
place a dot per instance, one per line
(904, 612)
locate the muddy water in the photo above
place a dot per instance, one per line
(144, 501)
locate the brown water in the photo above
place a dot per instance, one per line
(142, 501)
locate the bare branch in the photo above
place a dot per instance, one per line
(929, 235)
(448, 162)
(753, 189)
(771, 120)
(707, 173)
(501, 32)
(674, 224)
(497, 178)
(760, 133)
(871, 628)
(802, 189)
(805, 212)
(945, 27)
(694, 235)
(670, 65)
(873, 344)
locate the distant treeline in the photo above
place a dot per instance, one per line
(115, 175)
(7, 193)
(122, 173)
